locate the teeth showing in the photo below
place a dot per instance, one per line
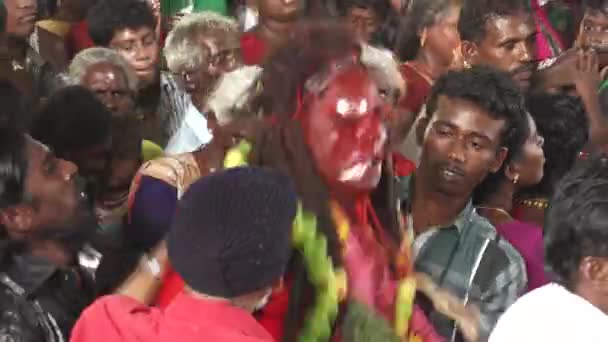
(448, 173)
(354, 172)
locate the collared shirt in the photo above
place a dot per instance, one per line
(58, 295)
(186, 319)
(552, 313)
(469, 259)
(192, 133)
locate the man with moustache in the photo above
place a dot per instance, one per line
(129, 26)
(469, 124)
(276, 19)
(500, 34)
(45, 274)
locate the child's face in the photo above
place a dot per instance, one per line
(593, 31)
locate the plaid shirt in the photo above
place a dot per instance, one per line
(469, 259)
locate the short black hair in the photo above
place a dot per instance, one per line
(596, 5)
(562, 121)
(109, 16)
(490, 89)
(13, 161)
(576, 223)
(475, 14)
(72, 118)
(380, 7)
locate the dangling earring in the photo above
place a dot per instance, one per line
(516, 179)
(423, 38)
(467, 65)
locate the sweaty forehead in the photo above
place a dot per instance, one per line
(518, 26)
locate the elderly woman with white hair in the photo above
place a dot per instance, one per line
(107, 74)
(200, 48)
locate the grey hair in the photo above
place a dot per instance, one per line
(232, 93)
(184, 49)
(92, 56)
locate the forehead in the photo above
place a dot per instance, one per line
(518, 26)
(466, 116)
(19, 3)
(355, 82)
(595, 15)
(105, 69)
(130, 34)
(364, 12)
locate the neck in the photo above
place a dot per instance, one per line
(593, 296)
(502, 198)
(12, 45)
(273, 32)
(54, 252)
(431, 63)
(431, 208)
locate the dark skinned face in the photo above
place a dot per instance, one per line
(461, 146)
(110, 85)
(21, 17)
(280, 10)
(593, 31)
(508, 45)
(529, 166)
(363, 21)
(140, 48)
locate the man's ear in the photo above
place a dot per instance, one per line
(470, 52)
(501, 154)
(18, 220)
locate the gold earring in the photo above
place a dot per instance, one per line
(516, 179)
(423, 38)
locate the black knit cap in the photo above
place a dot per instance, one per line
(232, 231)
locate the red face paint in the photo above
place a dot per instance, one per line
(343, 125)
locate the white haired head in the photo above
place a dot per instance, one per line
(87, 58)
(184, 48)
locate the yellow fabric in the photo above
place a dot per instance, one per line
(150, 150)
(58, 27)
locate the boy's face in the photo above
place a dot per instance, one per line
(593, 31)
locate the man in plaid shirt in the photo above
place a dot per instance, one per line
(469, 126)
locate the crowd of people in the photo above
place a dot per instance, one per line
(304, 170)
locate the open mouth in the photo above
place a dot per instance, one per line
(451, 173)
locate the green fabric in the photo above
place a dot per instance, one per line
(170, 8)
(218, 6)
(150, 150)
(604, 85)
(361, 324)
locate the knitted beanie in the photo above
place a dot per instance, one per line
(232, 231)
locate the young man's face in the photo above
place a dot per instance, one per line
(21, 17)
(363, 21)
(461, 146)
(140, 48)
(280, 10)
(508, 45)
(57, 208)
(593, 31)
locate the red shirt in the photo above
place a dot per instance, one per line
(187, 319)
(253, 49)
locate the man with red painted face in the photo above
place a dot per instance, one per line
(276, 19)
(328, 133)
(470, 125)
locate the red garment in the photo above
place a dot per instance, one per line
(78, 38)
(402, 166)
(418, 89)
(187, 319)
(271, 317)
(253, 49)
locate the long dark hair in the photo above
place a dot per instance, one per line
(281, 145)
